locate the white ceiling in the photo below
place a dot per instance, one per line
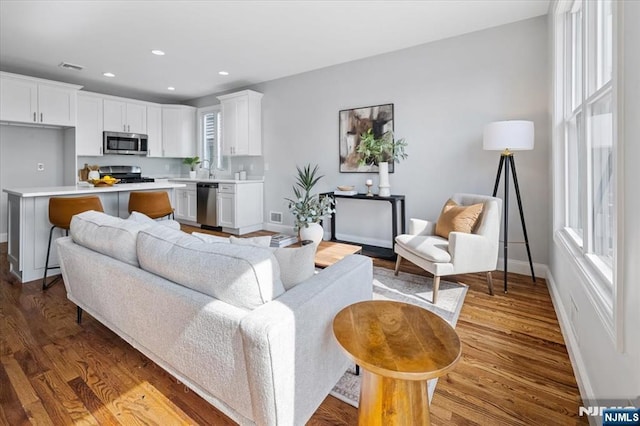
(254, 41)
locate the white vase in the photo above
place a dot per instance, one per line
(192, 174)
(313, 232)
(384, 187)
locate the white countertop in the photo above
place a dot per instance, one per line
(251, 180)
(85, 189)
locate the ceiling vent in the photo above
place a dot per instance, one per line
(68, 66)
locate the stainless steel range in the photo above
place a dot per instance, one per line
(126, 174)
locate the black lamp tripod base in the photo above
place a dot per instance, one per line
(507, 157)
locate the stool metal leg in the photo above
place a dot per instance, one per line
(46, 286)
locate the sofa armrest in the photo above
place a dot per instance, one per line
(289, 346)
(472, 252)
(421, 227)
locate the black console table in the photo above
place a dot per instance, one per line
(375, 251)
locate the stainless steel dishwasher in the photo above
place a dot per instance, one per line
(206, 194)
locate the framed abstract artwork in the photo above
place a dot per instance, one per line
(352, 124)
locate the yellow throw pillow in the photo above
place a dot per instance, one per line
(457, 218)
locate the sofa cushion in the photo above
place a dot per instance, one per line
(146, 220)
(208, 238)
(109, 235)
(252, 241)
(434, 249)
(457, 218)
(297, 264)
(243, 276)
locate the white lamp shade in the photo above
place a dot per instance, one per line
(514, 135)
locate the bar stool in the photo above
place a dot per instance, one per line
(61, 210)
(155, 204)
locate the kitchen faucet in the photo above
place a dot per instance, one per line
(211, 174)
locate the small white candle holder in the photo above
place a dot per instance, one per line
(369, 184)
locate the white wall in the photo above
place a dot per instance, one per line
(604, 373)
(21, 149)
(443, 94)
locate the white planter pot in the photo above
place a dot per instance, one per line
(313, 232)
(192, 174)
(384, 187)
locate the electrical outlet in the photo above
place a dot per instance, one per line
(241, 167)
(167, 167)
(266, 167)
(41, 167)
(251, 167)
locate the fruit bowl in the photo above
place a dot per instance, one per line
(103, 182)
(346, 187)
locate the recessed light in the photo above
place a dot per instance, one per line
(171, 88)
(223, 72)
(108, 74)
(157, 52)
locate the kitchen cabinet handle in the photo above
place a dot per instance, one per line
(128, 128)
(41, 120)
(34, 117)
(124, 127)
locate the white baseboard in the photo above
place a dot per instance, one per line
(3, 238)
(575, 356)
(282, 229)
(522, 267)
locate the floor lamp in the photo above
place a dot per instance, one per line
(508, 136)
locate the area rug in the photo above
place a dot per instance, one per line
(408, 288)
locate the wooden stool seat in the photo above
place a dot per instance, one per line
(61, 210)
(155, 204)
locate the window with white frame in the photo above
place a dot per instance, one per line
(210, 144)
(588, 146)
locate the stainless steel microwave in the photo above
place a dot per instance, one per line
(125, 143)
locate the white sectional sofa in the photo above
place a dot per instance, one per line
(216, 316)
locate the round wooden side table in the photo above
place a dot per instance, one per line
(399, 347)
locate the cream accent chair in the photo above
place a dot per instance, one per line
(460, 254)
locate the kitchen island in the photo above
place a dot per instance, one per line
(28, 220)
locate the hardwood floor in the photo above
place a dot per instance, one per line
(514, 369)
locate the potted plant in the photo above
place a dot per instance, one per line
(309, 209)
(192, 162)
(379, 151)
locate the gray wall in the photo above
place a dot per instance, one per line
(21, 149)
(443, 94)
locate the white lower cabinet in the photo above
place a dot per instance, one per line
(239, 207)
(226, 206)
(186, 203)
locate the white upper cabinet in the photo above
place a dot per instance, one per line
(178, 131)
(35, 101)
(89, 126)
(242, 123)
(121, 116)
(154, 131)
